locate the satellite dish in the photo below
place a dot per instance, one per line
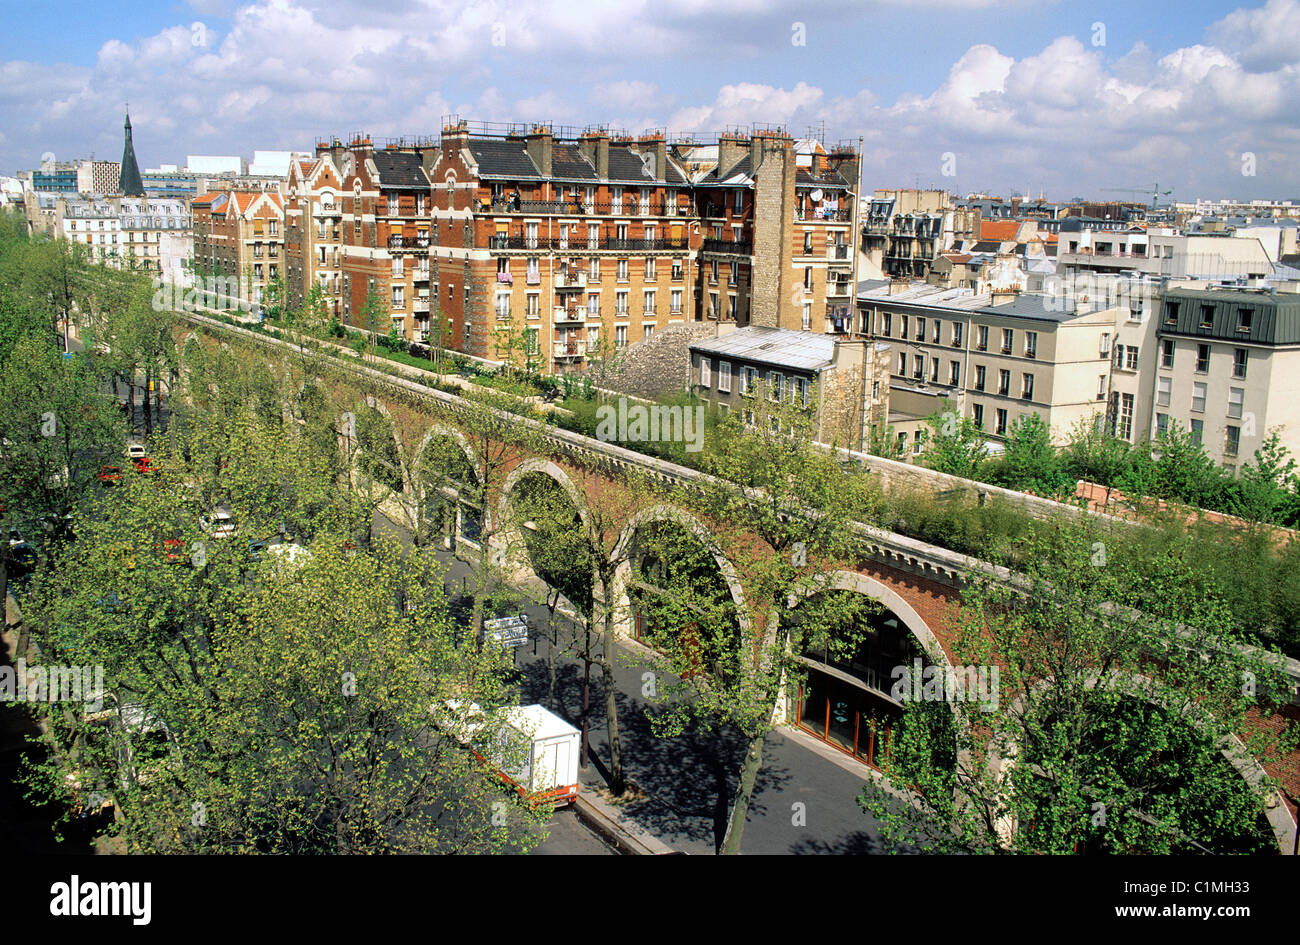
(816, 194)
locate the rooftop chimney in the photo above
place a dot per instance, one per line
(539, 149)
(595, 148)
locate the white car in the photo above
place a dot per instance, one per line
(221, 524)
(136, 451)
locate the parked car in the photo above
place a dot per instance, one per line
(220, 524)
(136, 451)
(143, 465)
(109, 475)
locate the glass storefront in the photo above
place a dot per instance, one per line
(856, 716)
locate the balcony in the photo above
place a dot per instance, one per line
(627, 207)
(420, 305)
(565, 282)
(837, 215)
(564, 350)
(577, 244)
(838, 251)
(735, 247)
(505, 278)
(837, 289)
(326, 213)
(568, 313)
(408, 242)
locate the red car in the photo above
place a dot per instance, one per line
(109, 475)
(143, 465)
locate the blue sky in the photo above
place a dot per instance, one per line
(1026, 94)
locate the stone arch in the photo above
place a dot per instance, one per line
(618, 595)
(458, 526)
(859, 583)
(1233, 750)
(508, 540)
(374, 403)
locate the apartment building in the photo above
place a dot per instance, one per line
(995, 357)
(1135, 249)
(240, 234)
(94, 222)
(843, 383)
(777, 223)
(1229, 369)
(903, 231)
(385, 236)
(313, 214)
(155, 236)
(576, 245)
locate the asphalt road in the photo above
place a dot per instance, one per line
(803, 802)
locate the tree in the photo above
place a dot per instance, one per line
(1107, 723)
(373, 314)
(1267, 489)
(787, 512)
(1030, 462)
(956, 445)
(272, 699)
(56, 430)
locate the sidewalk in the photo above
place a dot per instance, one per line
(688, 780)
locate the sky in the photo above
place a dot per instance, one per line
(1070, 99)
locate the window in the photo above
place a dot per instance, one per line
(920, 329)
(1004, 382)
(983, 338)
(934, 370)
(620, 336)
(675, 300)
(1239, 362)
(902, 443)
(1007, 337)
(1171, 313)
(934, 335)
(1001, 423)
(956, 334)
(534, 305)
(1244, 318)
(1198, 431)
(1167, 353)
(593, 270)
(621, 273)
(650, 268)
(620, 303)
(1198, 397)
(704, 372)
(1162, 424)
(1131, 357)
(739, 203)
(1027, 387)
(979, 376)
(647, 331)
(918, 367)
(649, 302)
(799, 391)
(1233, 443)
(903, 325)
(954, 373)
(1125, 431)
(807, 315)
(1202, 359)
(886, 324)
(503, 307)
(724, 377)
(1105, 342)
(977, 413)
(902, 364)
(807, 244)
(1236, 401)
(1101, 387)
(1164, 388)
(1207, 316)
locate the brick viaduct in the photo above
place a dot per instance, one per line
(918, 582)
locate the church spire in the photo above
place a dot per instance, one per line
(130, 184)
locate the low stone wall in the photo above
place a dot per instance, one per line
(655, 366)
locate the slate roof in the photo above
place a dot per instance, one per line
(400, 170)
(498, 157)
(779, 347)
(567, 162)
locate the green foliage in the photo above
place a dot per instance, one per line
(1109, 723)
(1029, 462)
(955, 445)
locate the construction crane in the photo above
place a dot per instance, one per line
(1154, 190)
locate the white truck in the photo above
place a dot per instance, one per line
(531, 748)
